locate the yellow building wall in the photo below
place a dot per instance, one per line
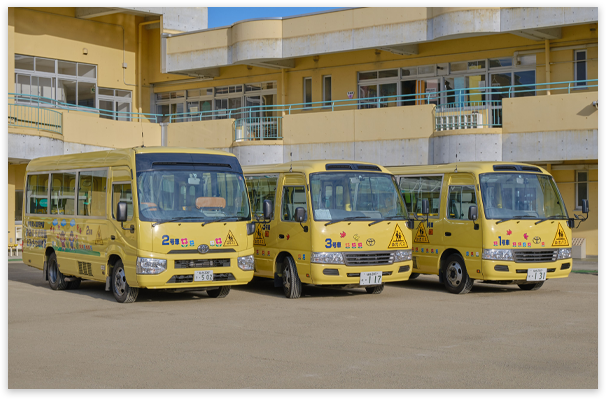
(56, 34)
(16, 174)
(206, 134)
(550, 113)
(588, 229)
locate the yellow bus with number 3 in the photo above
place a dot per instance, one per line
(495, 222)
(156, 218)
(330, 223)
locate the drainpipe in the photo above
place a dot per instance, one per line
(139, 72)
(283, 90)
(547, 66)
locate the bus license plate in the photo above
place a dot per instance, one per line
(203, 275)
(371, 278)
(537, 274)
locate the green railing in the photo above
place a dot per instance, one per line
(35, 117)
(33, 101)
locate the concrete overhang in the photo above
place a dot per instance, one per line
(267, 42)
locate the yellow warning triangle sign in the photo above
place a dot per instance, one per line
(421, 234)
(398, 240)
(258, 236)
(560, 239)
(98, 239)
(230, 240)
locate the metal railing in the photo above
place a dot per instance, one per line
(261, 128)
(33, 101)
(35, 117)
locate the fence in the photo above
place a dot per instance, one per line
(262, 128)
(35, 117)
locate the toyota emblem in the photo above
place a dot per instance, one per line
(203, 249)
(370, 242)
(536, 240)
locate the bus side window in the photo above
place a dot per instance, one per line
(37, 194)
(459, 201)
(62, 193)
(416, 188)
(293, 197)
(122, 192)
(92, 187)
(261, 188)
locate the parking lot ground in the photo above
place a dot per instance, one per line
(413, 335)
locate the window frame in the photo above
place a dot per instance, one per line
(48, 193)
(274, 202)
(283, 201)
(307, 105)
(447, 208)
(580, 85)
(113, 217)
(327, 102)
(412, 211)
(107, 169)
(578, 207)
(115, 99)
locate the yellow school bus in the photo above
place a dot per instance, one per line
(494, 222)
(156, 218)
(331, 223)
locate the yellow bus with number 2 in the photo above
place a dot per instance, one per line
(503, 223)
(156, 218)
(329, 223)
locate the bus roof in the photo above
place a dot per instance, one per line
(308, 167)
(470, 167)
(99, 159)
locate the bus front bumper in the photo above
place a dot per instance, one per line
(331, 274)
(498, 270)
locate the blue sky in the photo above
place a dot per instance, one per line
(222, 16)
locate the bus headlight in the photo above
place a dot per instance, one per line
(246, 262)
(400, 256)
(335, 258)
(150, 266)
(497, 254)
(564, 253)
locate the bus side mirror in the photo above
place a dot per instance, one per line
(410, 224)
(570, 223)
(585, 206)
(121, 211)
(425, 206)
(473, 212)
(300, 216)
(267, 209)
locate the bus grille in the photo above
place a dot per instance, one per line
(196, 263)
(535, 255)
(368, 258)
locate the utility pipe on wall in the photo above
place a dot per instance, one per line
(548, 66)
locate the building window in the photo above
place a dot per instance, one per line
(18, 205)
(64, 81)
(307, 92)
(580, 67)
(114, 104)
(327, 91)
(581, 188)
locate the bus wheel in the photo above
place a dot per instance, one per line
(292, 287)
(121, 289)
(531, 287)
(414, 276)
(72, 285)
(455, 276)
(377, 289)
(219, 292)
(56, 278)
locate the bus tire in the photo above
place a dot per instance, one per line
(377, 289)
(56, 278)
(414, 276)
(72, 285)
(292, 286)
(455, 276)
(121, 289)
(531, 287)
(221, 292)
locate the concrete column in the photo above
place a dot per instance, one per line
(163, 134)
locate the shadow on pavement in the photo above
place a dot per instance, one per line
(21, 273)
(263, 286)
(431, 283)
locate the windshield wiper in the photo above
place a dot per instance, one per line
(517, 218)
(387, 218)
(221, 219)
(346, 219)
(551, 218)
(176, 219)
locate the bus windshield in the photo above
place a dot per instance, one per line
(526, 195)
(191, 196)
(355, 195)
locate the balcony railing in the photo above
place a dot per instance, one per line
(28, 100)
(466, 108)
(35, 117)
